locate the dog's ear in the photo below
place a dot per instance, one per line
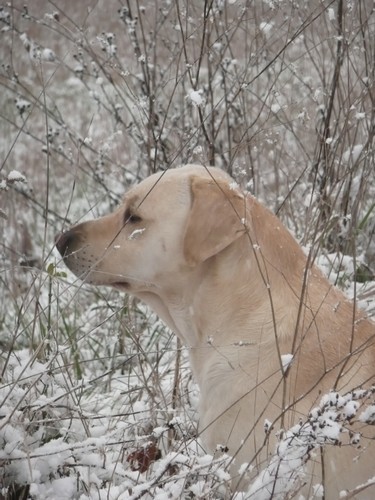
(215, 221)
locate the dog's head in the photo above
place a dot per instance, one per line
(166, 225)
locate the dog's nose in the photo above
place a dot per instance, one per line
(62, 241)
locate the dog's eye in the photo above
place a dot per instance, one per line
(131, 218)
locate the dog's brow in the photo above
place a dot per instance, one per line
(130, 206)
(130, 200)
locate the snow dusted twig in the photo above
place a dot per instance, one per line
(326, 425)
(199, 475)
(12, 177)
(358, 489)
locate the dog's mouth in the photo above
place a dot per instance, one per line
(121, 285)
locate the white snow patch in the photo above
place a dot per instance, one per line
(48, 55)
(368, 415)
(352, 153)
(266, 27)
(22, 105)
(195, 96)
(159, 431)
(15, 176)
(286, 359)
(318, 490)
(331, 14)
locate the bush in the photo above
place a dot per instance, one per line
(96, 397)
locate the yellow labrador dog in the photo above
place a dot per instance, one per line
(267, 334)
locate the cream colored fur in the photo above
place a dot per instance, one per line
(228, 278)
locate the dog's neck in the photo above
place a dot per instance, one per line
(203, 318)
